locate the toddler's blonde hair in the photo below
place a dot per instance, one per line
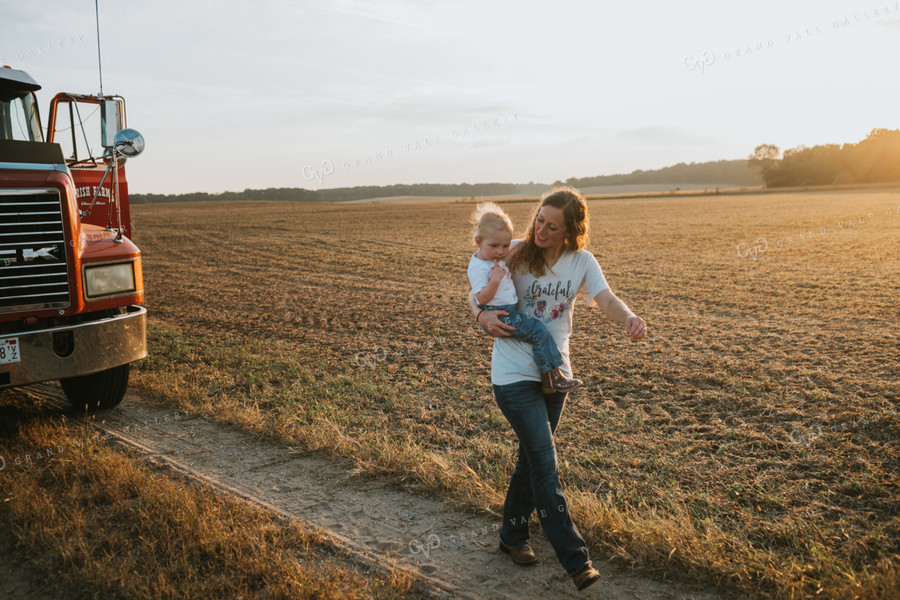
(489, 216)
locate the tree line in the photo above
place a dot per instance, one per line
(279, 194)
(726, 172)
(466, 190)
(338, 194)
(876, 159)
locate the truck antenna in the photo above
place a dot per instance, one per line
(99, 63)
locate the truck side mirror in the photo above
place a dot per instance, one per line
(129, 142)
(111, 122)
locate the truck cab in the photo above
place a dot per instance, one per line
(71, 284)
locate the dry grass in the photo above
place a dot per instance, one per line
(112, 527)
(751, 441)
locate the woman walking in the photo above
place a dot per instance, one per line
(549, 267)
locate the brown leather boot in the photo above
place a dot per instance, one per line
(521, 556)
(555, 381)
(586, 577)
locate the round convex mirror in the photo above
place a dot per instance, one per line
(129, 142)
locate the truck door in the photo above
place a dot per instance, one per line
(84, 126)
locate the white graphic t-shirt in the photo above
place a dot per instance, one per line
(550, 299)
(480, 274)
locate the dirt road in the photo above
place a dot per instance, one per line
(453, 551)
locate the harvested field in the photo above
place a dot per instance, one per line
(750, 442)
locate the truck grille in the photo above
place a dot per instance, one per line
(33, 269)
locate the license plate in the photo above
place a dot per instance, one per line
(9, 351)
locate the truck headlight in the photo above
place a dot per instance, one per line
(106, 280)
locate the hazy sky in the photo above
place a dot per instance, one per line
(315, 94)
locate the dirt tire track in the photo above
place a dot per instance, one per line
(451, 551)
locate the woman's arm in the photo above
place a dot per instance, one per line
(488, 318)
(615, 309)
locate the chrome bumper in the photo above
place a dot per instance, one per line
(81, 349)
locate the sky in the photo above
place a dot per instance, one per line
(334, 93)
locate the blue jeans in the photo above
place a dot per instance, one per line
(535, 482)
(529, 329)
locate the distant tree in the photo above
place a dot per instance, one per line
(819, 165)
(765, 152)
(877, 158)
(765, 161)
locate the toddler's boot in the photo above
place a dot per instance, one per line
(555, 381)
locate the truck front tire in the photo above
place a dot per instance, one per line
(98, 390)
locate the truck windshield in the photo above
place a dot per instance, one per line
(19, 119)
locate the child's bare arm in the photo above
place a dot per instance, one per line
(490, 290)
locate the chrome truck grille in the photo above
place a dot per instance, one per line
(33, 270)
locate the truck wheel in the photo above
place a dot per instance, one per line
(98, 390)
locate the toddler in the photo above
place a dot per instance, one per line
(494, 290)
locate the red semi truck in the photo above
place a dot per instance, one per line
(71, 284)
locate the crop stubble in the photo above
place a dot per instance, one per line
(751, 440)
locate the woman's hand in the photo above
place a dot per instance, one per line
(494, 326)
(635, 327)
(488, 319)
(615, 309)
